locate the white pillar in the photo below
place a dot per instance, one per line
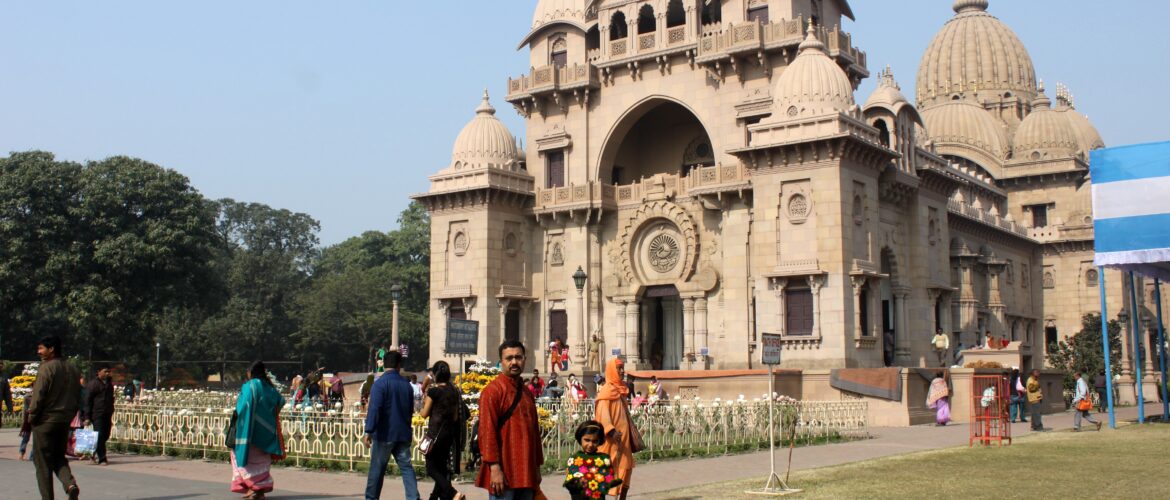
(701, 323)
(633, 351)
(689, 347)
(815, 283)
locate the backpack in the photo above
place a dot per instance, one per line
(598, 379)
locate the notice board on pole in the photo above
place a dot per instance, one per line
(772, 348)
(462, 337)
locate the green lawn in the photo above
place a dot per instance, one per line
(1130, 462)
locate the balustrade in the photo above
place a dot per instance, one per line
(668, 428)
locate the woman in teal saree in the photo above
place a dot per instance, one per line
(258, 436)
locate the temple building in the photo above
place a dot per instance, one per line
(708, 168)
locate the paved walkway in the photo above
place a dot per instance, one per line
(148, 477)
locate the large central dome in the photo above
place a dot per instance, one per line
(977, 56)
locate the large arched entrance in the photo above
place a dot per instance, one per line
(657, 136)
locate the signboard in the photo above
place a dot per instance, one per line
(772, 348)
(616, 351)
(703, 351)
(462, 336)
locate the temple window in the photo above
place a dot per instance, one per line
(675, 15)
(555, 162)
(646, 21)
(617, 26)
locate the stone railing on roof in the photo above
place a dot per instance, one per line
(750, 37)
(987, 218)
(548, 79)
(718, 178)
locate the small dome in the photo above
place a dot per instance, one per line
(484, 141)
(889, 95)
(548, 11)
(963, 122)
(975, 52)
(1044, 133)
(1088, 138)
(813, 84)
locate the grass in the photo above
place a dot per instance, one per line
(1127, 463)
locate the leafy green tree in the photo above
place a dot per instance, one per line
(346, 316)
(1083, 351)
(97, 253)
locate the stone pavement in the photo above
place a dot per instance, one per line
(147, 477)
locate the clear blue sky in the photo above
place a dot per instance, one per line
(342, 109)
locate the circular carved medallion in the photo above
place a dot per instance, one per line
(793, 111)
(461, 243)
(797, 207)
(663, 253)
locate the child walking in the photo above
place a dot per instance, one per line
(588, 474)
(25, 428)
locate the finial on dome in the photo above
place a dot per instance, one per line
(485, 107)
(961, 6)
(886, 78)
(1041, 101)
(810, 40)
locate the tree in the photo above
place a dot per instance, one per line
(96, 254)
(1083, 351)
(346, 315)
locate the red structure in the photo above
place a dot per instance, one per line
(990, 403)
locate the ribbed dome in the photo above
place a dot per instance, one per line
(975, 53)
(1044, 133)
(887, 94)
(1088, 138)
(813, 84)
(962, 122)
(484, 140)
(559, 10)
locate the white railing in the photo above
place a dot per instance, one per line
(677, 428)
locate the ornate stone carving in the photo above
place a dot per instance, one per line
(798, 208)
(663, 253)
(461, 242)
(510, 244)
(557, 255)
(662, 216)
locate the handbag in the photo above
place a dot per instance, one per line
(428, 441)
(1085, 404)
(229, 434)
(85, 441)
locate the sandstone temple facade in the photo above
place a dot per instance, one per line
(707, 165)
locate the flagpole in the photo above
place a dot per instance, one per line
(1105, 343)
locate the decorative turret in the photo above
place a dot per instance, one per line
(812, 85)
(1044, 133)
(485, 142)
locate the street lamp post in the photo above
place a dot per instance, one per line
(157, 356)
(395, 294)
(579, 278)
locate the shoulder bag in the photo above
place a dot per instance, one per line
(229, 434)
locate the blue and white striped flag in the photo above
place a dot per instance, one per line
(1131, 207)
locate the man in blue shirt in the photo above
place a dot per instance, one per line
(388, 429)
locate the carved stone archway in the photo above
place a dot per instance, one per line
(659, 243)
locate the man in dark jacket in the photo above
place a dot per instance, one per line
(388, 430)
(54, 402)
(98, 409)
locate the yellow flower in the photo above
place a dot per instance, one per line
(578, 462)
(593, 485)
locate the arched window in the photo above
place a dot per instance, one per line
(617, 26)
(559, 51)
(646, 21)
(883, 132)
(593, 38)
(713, 12)
(675, 15)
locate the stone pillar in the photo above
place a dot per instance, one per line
(901, 334)
(815, 283)
(633, 350)
(781, 324)
(858, 283)
(1126, 391)
(503, 306)
(689, 348)
(622, 332)
(701, 325)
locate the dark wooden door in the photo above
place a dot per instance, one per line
(798, 312)
(556, 169)
(512, 325)
(558, 326)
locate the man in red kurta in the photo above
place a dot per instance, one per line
(512, 453)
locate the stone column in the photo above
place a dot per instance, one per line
(815, 283)
(503, 306)
(622, 332)
(781, 325)
(901, 334)
(689, 348)
(858, 282)
(1126, 389)
(701, 324)
(633, 350)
